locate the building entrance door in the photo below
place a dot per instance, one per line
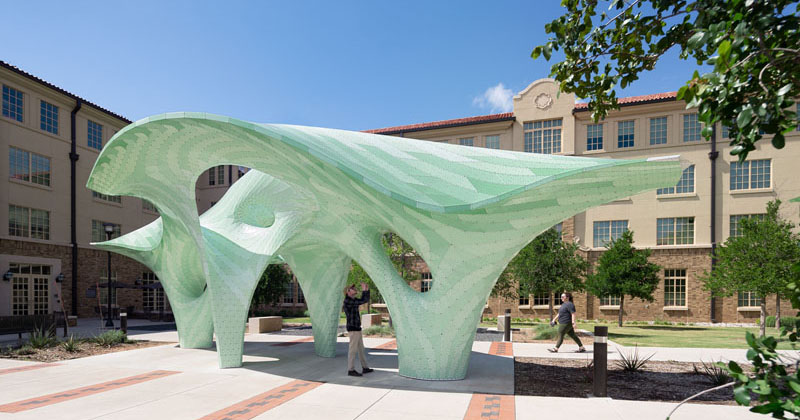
(30, 286)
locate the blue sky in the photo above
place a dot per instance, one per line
(340, 64)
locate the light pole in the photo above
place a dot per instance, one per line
(109, 228)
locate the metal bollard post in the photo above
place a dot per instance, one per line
(600, 382)
(507, 326)
(123, 322)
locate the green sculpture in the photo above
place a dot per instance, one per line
(318, 198)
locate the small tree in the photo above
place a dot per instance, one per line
(759, 261)
(271, 286)
(624, 270)
(358, 275)
(546, 265)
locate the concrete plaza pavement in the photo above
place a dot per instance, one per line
(283, 378)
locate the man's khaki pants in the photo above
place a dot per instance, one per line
(356, 346)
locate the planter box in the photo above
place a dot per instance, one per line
(368, 320)
(264, 324)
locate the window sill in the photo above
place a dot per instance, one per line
(541, 307)
(110, 203)
(31, 184)
(748, 309)
(752, 191)
(609, 307)
(676, 308)
(524, 307)
(594, 152)
(383, 305)
(675, 196)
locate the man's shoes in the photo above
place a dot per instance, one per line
(353, 373)
(553, 350)
(366, 370)
(581, 350)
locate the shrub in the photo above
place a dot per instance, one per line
(545, 332)
(632, 362)
(42, 338)
(715, 373)
(380, 330)
(788, 321)
(26, 350)
(71, 344)
(111, 338)
(661, 322)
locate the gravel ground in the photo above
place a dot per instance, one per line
(482, 334)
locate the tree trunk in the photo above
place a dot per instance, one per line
(778, 311)
(763, 323)
(621, 309)
(550, 302)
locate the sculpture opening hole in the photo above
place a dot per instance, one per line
(408, 263)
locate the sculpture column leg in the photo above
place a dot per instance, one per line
(232, 277)
(193, 319)
(322, 276)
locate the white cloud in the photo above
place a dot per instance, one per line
(496, 98)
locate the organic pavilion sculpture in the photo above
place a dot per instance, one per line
(318, 198)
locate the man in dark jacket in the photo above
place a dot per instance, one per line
(353, 315)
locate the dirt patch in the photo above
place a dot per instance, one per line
(85, 349)
(658, 381)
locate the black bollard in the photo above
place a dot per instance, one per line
(600, 382)
(507, 326)
(123, 322)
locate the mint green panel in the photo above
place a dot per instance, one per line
(318, 198)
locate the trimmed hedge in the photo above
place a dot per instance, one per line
(785, 321)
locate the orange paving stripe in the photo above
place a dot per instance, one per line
(389, 345)
(501, 349)
(495, 407)
(293, 342)
(262, 403)
(29, 367)
(72, 394)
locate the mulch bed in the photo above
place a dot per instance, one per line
(526, 335)
(86, 349)
(658, 381)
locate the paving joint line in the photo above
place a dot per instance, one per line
(376, 401)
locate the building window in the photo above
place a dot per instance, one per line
(542, 136)
(216, 176)
(99, 232)
(152, 297)
(725, 132)
(559, 228)
(426, 283)
(541, 299)
(103, 293)
(49, 118)
(610, 300)
(12, 103)
(607, 231)
(301, 298)
(748, 300)
(95, 135)
(147, 205)
(594, 137)
(30, 167)
(675, 231)
(691, 128)
(750, 175)
(675, 287)
(493, 142)
(28, 223)
(524, 300)
(658, 130)
(241, 171)
(736, 226)
(110, 198)
(467, 141)
(288, 294)
(625, 134)
(684, 186)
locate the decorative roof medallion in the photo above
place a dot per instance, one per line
(543, 101)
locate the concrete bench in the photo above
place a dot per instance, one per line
(264, 324)
(368, 320)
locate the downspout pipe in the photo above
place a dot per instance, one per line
(713, 155)
(73, 162)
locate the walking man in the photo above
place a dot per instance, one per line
(351, 305)
(566, 323)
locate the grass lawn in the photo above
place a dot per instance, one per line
(682, 336)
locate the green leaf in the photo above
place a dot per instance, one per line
(547, 51)
(695, 40)
(724, 49)
(795, 386)
(778, 141)
(785, 89)
(734, 367)
(744, 117)
(741, 395)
